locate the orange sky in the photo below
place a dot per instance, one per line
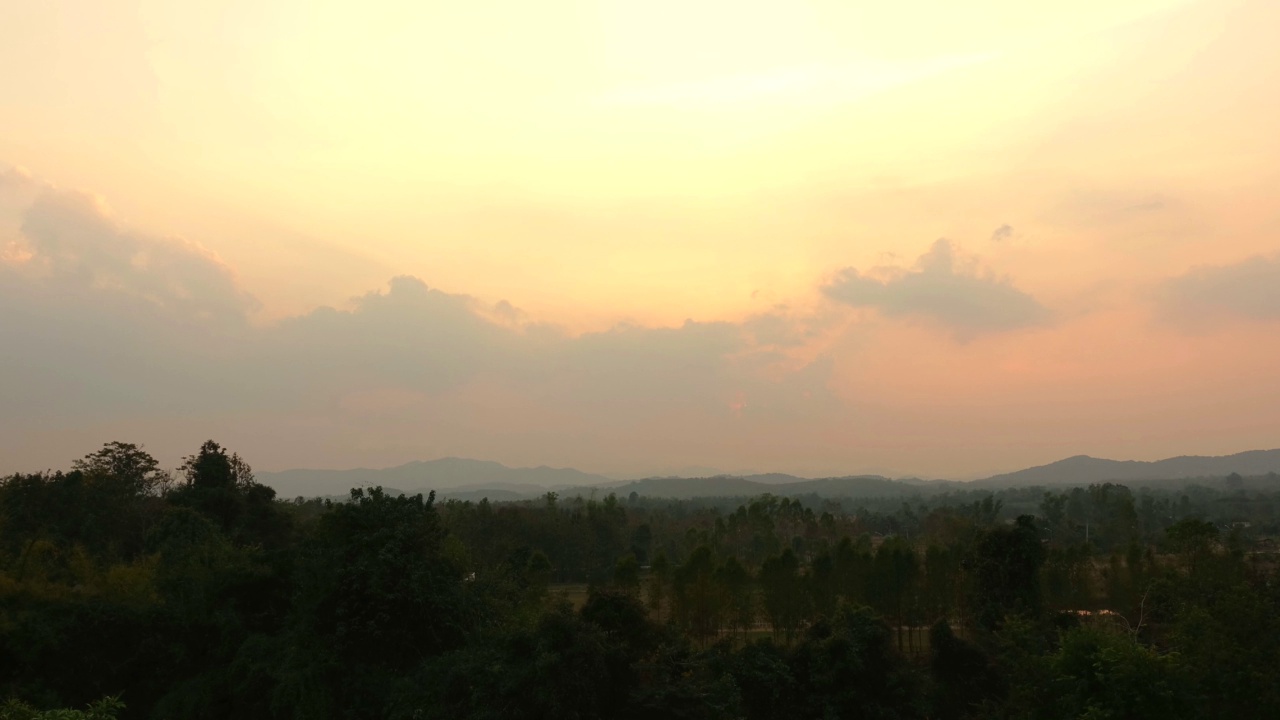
(918, 237)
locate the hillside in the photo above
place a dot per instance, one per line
(1082, 469)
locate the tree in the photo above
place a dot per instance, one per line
(127, 464)
(697, 600)
(822, 584)
(221, 486)
(852, 563)
(565, 666)
(735, 585)
(1109, 675)
(941, 578)
(622, 616)
(894, 574)
(1192, 540)
(783, 594)
(376, 583)
(537, 572)
(660, 577)
(641, 539)
(963, 676)
(212, 469)
(846, 668)
(1006, 572)
(626, 574)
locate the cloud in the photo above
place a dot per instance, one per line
(425, 340)
(1249, 290)
(74, 242)
(101, 344)
(103, 323)
(410, 334)
(944, 289)
(100, 320)
(1002, 233)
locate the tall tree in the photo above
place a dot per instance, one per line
(736, 587)
(783, 593)
(698, 601)
(1006, 572)
(127, 464)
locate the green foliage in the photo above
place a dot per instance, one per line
(105, 709)
(697, 600)
(626, 573)
(660, 576)
(848, 668)
(963, 676)
(1102, 675)
(566, 665)
(374, 582)
(126, 465)
(1191, 540)
(785, 602)
(210, 598)
(1006, 572)
(222, 488)
(737, 585)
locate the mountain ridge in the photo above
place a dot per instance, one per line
(1084, 469)
(468, 478)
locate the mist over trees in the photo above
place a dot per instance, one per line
(132, 592)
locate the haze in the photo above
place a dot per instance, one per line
(635, 237)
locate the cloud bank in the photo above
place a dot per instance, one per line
(109, 333)
(102, 324)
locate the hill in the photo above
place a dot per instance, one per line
(455, 474)
(1082, 469)
(473, 479)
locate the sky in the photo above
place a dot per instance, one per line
(830, 237)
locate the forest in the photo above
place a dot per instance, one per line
(128, 591)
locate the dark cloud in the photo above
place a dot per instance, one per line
(1002, 233)
(944, 290)
(1249, 289)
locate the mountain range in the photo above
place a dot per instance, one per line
(451, 473)
(1082, 469)
(462, 478)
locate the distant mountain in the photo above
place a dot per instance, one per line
(774, 478)
(728, 486)
(455, 474)
(464, 479)
(1082, 470)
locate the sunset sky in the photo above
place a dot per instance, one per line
(662, 236)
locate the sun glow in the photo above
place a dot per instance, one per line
(466, 140)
